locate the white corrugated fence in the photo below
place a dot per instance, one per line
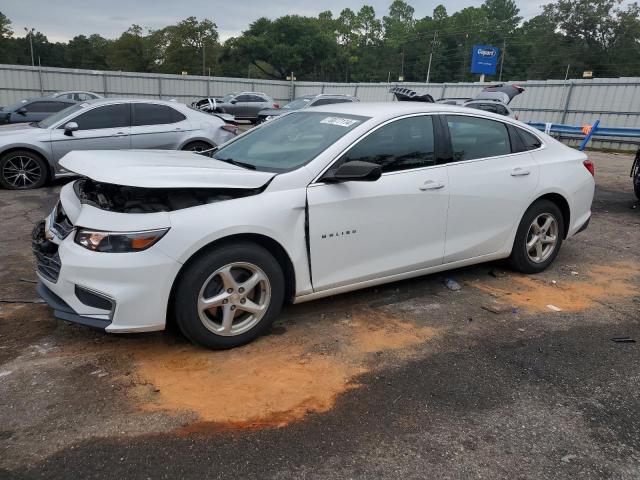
(616, 102)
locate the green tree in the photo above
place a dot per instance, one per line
(288, 44)
(87, 52)
(130, 51)
(180, 47)
(6, 44)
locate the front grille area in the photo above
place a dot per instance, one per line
(46, 253)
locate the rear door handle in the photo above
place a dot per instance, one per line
(119, 134)
(431, 185)
(519, 172)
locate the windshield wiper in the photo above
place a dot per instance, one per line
(248, 166)
(35, 124)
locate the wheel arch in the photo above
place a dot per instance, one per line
(271, 245)
(562, 204)
(35, 151)
(197, 139)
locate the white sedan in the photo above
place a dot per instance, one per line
(315, 203)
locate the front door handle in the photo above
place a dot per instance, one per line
(119, 134)
(519, 172)
(431, 185)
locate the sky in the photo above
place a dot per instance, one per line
(62, 20)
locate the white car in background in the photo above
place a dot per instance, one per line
(312, 204)
(77, 95)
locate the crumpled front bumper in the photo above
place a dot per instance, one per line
(63, 311)
(116, 292)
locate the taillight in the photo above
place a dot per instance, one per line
(230, 128)
(276, 105)
(589, 166)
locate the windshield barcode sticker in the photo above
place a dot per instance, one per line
(339, 121)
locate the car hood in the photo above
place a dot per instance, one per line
(161, 169)
(16, 128)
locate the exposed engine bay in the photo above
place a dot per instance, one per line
(126, 199)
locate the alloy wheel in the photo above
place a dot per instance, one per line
(542, 238)
(234, 299)
(21, 172)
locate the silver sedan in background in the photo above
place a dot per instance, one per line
(246, 105)
(29, 152)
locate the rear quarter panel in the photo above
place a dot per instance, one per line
(562, 171)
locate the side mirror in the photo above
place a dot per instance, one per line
(70, 127)
(22, 111)
(233, 102)
(355, 171)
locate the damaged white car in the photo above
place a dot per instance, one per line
(312, 204)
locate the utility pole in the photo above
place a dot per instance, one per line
(464, 57)
(402, 65)
(433, 45)
(204, 70)
(30, 35)
(504, 52)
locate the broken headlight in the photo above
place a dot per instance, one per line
(118, 242)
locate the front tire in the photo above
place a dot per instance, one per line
(197, 146)
(22, 170)
(538, 239)
(229, 296)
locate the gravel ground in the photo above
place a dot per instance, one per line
(408, 380)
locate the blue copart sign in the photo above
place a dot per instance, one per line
(484, 59)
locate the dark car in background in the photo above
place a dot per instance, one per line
(305, 101)
(246, 105)
(33, 109)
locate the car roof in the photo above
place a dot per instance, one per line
(248, 93)
(72, 91)
(99, 101)
(388, 110)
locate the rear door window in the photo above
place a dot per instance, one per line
(330, 101)
(107, 116)
(474, 137)
(154, 114)
(529, 140)
(46, 107)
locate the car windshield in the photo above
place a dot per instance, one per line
(56, 117)
(289, 142)
(227, 98)
(297, 103)
(15, 106)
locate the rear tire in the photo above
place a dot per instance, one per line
(229, 296)
(538, 239)
(23, 170)
(197, 146)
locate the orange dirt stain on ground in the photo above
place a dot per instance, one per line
(603, 284)
(383, 333)
(270, 382)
